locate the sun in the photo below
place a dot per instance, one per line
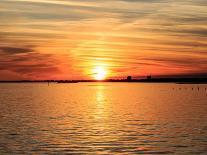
(99, 73)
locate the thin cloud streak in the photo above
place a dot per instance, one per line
(141, 37)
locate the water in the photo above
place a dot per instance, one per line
(103, 118)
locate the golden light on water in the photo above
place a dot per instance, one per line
(99, 73)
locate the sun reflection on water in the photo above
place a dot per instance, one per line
(102, 118)
(100, 103)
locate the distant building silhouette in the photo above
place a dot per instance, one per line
(129, 78)
(149, 77)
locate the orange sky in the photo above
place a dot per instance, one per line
(70, 39)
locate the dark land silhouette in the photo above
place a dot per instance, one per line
(148, 79)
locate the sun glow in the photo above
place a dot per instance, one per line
(99, 73)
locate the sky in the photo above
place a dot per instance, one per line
(84, 39)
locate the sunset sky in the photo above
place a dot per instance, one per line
(77, 39)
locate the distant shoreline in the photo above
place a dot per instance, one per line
(152, 80)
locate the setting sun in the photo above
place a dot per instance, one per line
(99, 73)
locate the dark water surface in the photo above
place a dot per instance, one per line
(103, 118)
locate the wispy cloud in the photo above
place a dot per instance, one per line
(10, 50)
(127, 36)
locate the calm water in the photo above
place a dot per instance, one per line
(103, 118)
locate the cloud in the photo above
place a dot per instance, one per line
(27, 64)
(15, 50)
(162, 36)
